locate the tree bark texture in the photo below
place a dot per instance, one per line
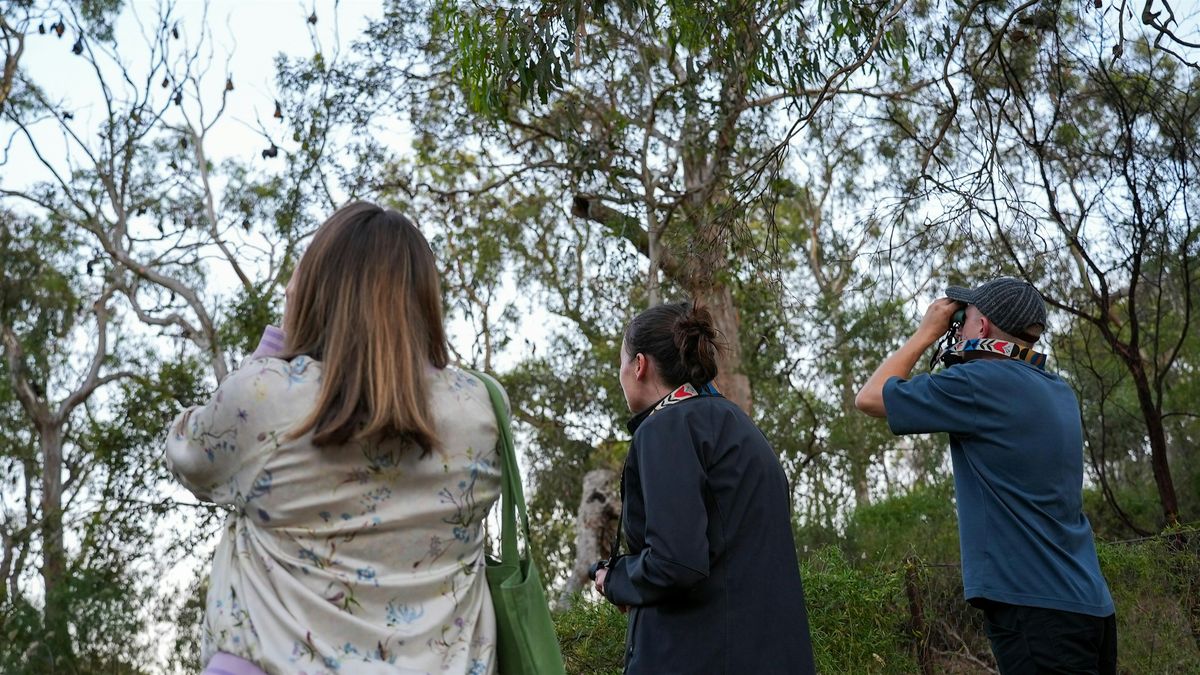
(595, 525)
(54, 557)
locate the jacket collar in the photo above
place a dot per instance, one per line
(679, 395)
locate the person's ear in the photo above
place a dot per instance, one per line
(641, 365)
(985, 327)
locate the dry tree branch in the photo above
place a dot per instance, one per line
(27, 393)
(12, 57)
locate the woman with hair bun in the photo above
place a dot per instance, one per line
(711, 580)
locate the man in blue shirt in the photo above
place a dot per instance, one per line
(1016, 443)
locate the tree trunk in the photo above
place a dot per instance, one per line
(858, 455)
(696, 277)
(54, 558)
(1158, 442)
(732, 380)
(860, 461)
(595, 527)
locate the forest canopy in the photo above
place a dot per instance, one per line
(814, 173)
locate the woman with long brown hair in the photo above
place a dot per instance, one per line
(358, 465)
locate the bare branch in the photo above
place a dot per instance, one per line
(93, 380)
(12, 56)
(33, 402)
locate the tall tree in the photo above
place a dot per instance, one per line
(83, 406)
(1076, 173)
(669, 122)
(108, 239)
(659, 152)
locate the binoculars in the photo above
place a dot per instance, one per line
(596, 567)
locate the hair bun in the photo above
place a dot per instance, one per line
(682, 340)
(691, 325)
(696, 338)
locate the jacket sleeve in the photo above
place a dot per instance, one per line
(271, 343)
(212, 448)
(672, 483)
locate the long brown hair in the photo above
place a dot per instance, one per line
(367, 303)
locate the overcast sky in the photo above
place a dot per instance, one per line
(246, 36)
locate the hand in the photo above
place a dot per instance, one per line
(181, 424)
(937, 319)
(901, 362)
(600, 574)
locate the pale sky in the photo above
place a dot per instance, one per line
(246, 34)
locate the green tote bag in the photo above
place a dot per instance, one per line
(525, 640)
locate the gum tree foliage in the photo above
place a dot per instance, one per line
(136, 274)
(81, 494)
(191, 256)
(1066, 154)
(666, 130)
(655, 171)
(83, 403)
(585, 90)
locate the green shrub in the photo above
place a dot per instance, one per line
(921, 523)
(858, 617)
(1140, 503)
(812, 537)
(860, 613)
(592, 637)
(1157, 594)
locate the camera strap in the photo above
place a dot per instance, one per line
(965, 350)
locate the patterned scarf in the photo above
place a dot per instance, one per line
(965, 350)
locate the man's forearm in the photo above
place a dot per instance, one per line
(899, 364)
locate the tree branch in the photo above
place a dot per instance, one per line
(12, 57)
(33, 403)
(591, 207)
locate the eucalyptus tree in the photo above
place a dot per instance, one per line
(1067, 152)
(637, 158)
(83, 404)
(662, 124)
(116, 218)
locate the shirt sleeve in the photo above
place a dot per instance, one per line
(214, 447)
(271, 343)
(675, 556)
(926, 404)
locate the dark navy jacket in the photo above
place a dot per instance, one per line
(711, 576)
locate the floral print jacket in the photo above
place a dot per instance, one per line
(363, 558)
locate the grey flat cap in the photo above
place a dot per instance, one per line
(1012, 304)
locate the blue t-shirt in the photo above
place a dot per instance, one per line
(1016, 443)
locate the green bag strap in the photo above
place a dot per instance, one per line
(511, 493)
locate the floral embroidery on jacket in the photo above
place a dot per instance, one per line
(316, 536)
